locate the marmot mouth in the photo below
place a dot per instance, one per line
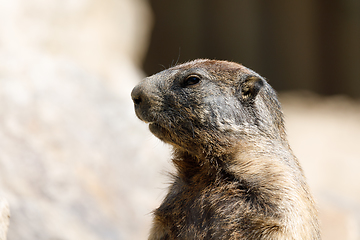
(159, 131)
(153, 126)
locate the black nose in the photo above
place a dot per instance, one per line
(136, 95)
(142, 104)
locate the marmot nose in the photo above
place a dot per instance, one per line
(141, 103)
(136, 95)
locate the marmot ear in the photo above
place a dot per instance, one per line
(251, 87)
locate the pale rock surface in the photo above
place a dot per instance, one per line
(4, 218)
(75, 163)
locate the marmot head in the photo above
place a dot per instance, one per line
(206, 106)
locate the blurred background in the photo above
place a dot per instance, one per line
(75, 163)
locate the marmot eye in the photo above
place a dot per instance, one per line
(191, 80)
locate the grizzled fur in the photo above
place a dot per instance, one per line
(237, 177)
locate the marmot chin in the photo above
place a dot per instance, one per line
(237, 177)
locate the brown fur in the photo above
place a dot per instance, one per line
(237, 177)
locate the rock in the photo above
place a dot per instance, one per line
(75, 163)
(4, 218)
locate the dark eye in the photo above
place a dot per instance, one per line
(191, 80)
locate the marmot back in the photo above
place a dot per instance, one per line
(237, 177)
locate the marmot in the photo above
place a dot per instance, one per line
(237, 177)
